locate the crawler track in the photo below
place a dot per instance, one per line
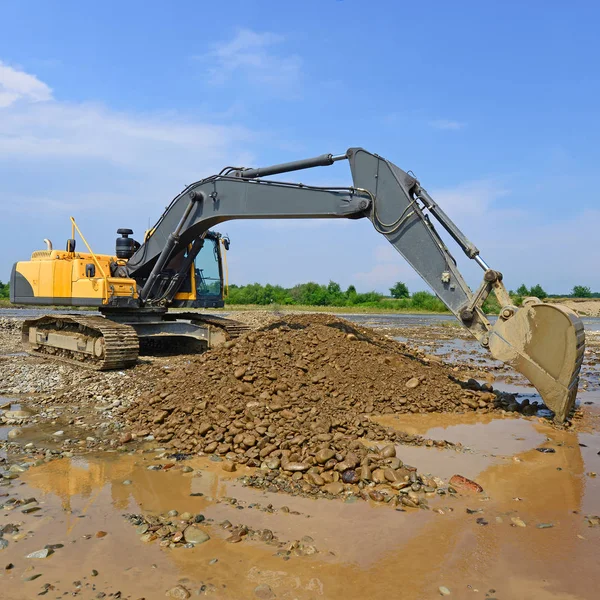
(232, 328)
(99, 344)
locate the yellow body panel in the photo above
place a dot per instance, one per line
(59, 277)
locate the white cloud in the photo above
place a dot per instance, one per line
(84, 131)
(17, 85)
(447, 124)
(103, 166)
(252, 57)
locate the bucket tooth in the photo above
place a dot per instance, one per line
(546, 344)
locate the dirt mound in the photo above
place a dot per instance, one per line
(583, 307)
(296, 396)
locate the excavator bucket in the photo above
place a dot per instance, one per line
(545, 343)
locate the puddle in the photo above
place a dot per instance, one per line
(361, 546)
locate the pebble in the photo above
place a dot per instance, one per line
(228, 466)
(264, 592)
(58, 433)
(127, 482)
(466, 484)
(178, 593)
(444, 591)
(40, 553)
(3, 543)
(195, 535)
(518, 522)
(101, 534)
(333, 488)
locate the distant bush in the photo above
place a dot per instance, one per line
(537, 290)
(581, 291)
(4, 290)
(400, 290)
(315, 294)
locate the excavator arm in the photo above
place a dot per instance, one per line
(544, 342)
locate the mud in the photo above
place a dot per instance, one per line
(532, 533)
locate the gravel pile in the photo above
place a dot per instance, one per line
(296, 397)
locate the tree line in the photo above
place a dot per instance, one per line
(400, 298)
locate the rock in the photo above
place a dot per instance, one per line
(295, 466)
(94, 573)
(470, 402)
(59, 433)
(444, 591)
(127, 482)
(125, 438)
(264, 592)
(185, 516)
(350, 476)
(228, 466)
(378, 476)
(334, 488)
(178, 593)
(466, 484)
(15, 433)
(101, 534)
(518, 522)
(29, 508)
(16, 414)
(412, 383)
(3, 543)
(388, 451)
(195, 535)
(322, 456)
(273, 463)
(40, 553)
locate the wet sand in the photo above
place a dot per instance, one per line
(365, 549)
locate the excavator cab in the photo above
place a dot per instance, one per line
(205, 284)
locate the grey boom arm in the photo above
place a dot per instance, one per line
(389, 197)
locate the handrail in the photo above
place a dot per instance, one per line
(75, 227)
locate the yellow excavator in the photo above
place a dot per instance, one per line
(179, 265)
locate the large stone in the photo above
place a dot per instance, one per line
(195, 535)
(178, 593)
(322, 456)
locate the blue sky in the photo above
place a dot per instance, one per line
(108, 109)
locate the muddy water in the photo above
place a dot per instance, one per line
(364, 549)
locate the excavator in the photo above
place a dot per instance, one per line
(179, 265)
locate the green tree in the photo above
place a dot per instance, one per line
(400, 290)
(581, 291)
(538, 291)
(4, 290)
(522, 290)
